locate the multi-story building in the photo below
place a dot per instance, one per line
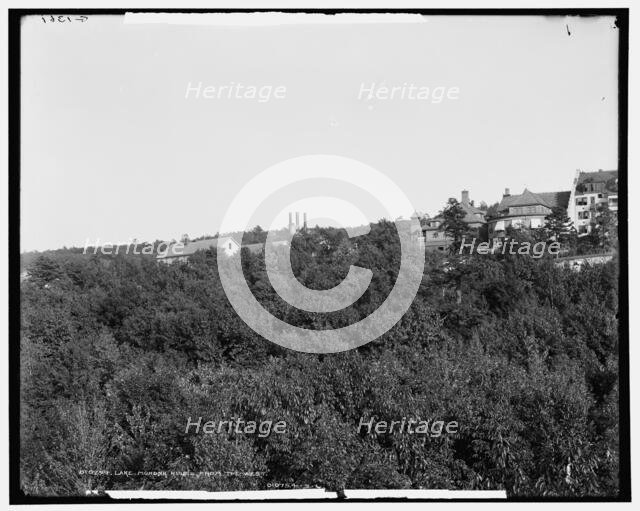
(433, 235)
(592, 193)
(527, 210)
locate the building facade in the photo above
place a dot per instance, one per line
(435, 238)
(592, 193)
(527, 210)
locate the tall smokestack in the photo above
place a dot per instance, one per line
(465, 197)
(297, 220)
(292, 228)
(304, 222)
(506, 192)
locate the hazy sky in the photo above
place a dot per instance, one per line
(111, 148)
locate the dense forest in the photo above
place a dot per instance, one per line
(117, 352)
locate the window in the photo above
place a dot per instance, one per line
(229, 246)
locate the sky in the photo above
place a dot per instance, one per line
(111, 148)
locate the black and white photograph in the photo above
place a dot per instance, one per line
(313, 255)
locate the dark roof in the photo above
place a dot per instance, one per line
(528, 198)
(470, 209)
(601, 176)
(471, 212)
(469, 218)
(556, 199)
(609, 178)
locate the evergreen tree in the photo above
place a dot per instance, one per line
(454, 225)
(559, 227)
(605, 227)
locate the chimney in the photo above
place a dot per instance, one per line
(292, 229)
(304, 221)
(297, 220)
(506, 192)
(465, 197)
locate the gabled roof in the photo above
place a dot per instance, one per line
(601, 176)
(469, 218)
(529, 198)
(607, 177)
(470, 209)
(556, 199)
(471, 212)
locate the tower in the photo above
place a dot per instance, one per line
(292, 227)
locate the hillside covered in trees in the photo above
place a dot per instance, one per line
(117, 352)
